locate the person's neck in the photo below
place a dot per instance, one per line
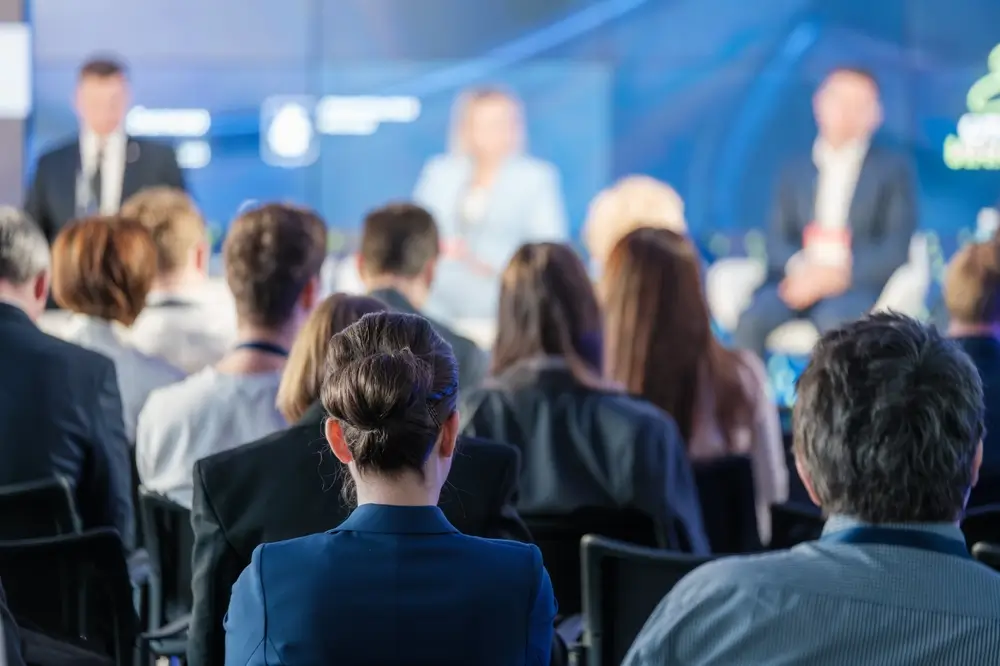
(249, 361)
(413, 290)
(960, 329)
(844, 142)
(407, 490)
(179, 281)
(485, 170)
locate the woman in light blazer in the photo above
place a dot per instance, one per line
(488, 198)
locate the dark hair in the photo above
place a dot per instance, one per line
(972, 284)
(271, 253)
(548, 308)
(102, 67)
(659, 342)
(854, 70)
(398, 239)
(104, 267)
(887, 421)
(391, 382)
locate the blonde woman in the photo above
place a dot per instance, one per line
(631, 203)
(488, 197)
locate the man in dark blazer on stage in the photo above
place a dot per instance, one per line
(843, 218)
(288, 485)
(102, 166)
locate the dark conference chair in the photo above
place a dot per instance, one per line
(75, 588)
(792, 524)
(558, 537)
(988, 554)
(36, 509)
(622, 585)
(982, 524)
(728, 507)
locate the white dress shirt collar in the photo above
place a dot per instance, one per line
(91, 144)
(852, 152)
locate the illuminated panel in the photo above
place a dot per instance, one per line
(976, 143)
(15, 71)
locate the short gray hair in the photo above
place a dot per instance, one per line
(24, 252)
(887, 420)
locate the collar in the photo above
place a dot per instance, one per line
(13, 312)
(394, 300)
(103, 327)
(823, 153)
(838, 523)
(89, 141)
(385, 519)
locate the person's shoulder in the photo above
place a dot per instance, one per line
(728, 575)
(479, 453)
(58, 151)
(535, 168)
(441, 164)
(72, 355)
(193, 394)
(237, 463)
(151, 147)
(497, 555)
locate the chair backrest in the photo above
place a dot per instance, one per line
(988, 554)
(41, 508)
(986, 491)
(558, 537)
(791, 524)
(982, 524)
(169, 540)
(622, 585)
(73, 586)
(728, 508)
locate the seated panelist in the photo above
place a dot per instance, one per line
(396, 583)
(843, 218)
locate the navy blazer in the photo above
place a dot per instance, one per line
(392, 585)
(883, 217)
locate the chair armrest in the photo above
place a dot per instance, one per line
(170, 630)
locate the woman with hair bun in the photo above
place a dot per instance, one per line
(395, 583)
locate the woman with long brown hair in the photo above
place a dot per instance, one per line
(584, 443)
(660, 346)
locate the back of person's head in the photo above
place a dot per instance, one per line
(391, 387)
(972, 285)
(548, 308)
(631, 203)
(103, 267)
(399, 240)
(306, 367)
(273, 255)
(888, 422)
(176, 225)
(658, 335)
(24, 261)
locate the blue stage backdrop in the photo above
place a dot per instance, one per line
(709, 95)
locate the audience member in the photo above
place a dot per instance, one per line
(585, 443)
(286, 485)
(392, 391)
(972, 297)
(888, 430)
(102, 269)
(660, 346)
(631, 203)
(188, 320)
(10, 637)
(399, 253)
(60, 409)
(272, 256)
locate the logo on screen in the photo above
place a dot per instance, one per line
(287, 133)
(976, 144)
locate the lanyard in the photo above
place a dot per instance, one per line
(261, 346)
(920, 540)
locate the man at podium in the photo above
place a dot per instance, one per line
(843, 218)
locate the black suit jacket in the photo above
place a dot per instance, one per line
(61, 413)
(51, 199)
(288, 485)
(882, 217)
(471, 359)
(984, 350)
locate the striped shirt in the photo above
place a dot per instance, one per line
(830, 604)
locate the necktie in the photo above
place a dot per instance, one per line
(95, 180)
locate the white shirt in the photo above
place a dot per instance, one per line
(838, 170)
(207, 413)
(190, 329)
(114, 156)
(138, 374)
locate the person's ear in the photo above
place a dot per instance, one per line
(40, 288)
(335, 438)
(807, 482)
(449, 435)
(359, 263)
(977, 462)
(202, 252)
(427, 275)
(310, 294)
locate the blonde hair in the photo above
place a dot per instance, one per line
(173, 220)
(631, 203)
(461, 110)
(302, 377)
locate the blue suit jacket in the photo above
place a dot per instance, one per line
(392, 585)
(883, 217)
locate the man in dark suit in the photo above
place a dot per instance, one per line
(288, 485)
(843, 218)
(972, 298)
(399, 252)
(102, 166)
(60, 410)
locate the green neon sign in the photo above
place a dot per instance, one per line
(976, 145)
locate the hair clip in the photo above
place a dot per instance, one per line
(443, 393)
